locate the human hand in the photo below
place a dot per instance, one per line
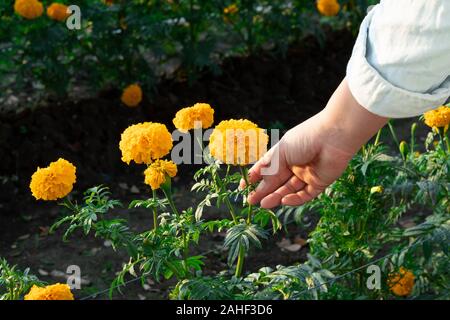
(314, 154)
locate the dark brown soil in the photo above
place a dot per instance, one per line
(272, 91)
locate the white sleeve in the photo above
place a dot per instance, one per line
(400, 65)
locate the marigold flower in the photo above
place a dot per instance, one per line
(229, 12)
(402, 282)
(200, 115)
(54, 182)
(328, 8)
(156, 174)
(53, 292)
(231, 9)
(57, 11)
(238, 142)
(29, 9)
(132, 95)
(438, 118)
(145, 142)
(376, 189)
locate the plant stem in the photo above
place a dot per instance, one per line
(155, 214)
(171, 203)
(444, 137)
(227, 201)
(184, 236)
(244, 173)
(377, 138)
(391, 129)
(447, 143)
(231, 208)
(185, 251)
(240, 262)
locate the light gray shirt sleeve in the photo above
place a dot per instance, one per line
(400, 65)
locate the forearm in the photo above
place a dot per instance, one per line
(346, 123)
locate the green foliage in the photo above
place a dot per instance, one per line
(97, 203)
(14, 284)
(242, 236)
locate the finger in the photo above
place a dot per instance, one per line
(297, 199)
(268, 185)
(255, 173)
(292, 186)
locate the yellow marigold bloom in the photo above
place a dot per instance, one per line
(157, 172)
(402, 282)
(57, 11)
(231, 9)
(54, 182)
(53, 292)
(328, 8)
(145, 142)
(377, 189)
(201, 115)
(229, 12)
(238, 142)
(438, 118)
(132, 95)
(29, 9)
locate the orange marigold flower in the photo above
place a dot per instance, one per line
(29, 9)
(201, 115)
(328, 8)
(132, 95)
(229, 12)
(231, 9)
(54, 182)
(53, 292)
(438, 118)
(57, 11)
(145, 142)
(238, 142)
(157, 173)
(402, 282)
